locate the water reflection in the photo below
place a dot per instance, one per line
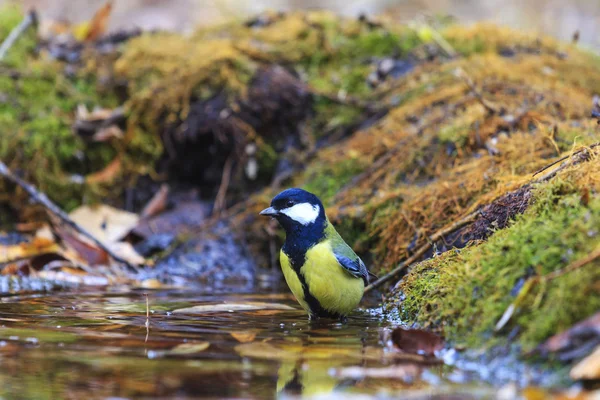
(68, 345)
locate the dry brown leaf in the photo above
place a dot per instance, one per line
(417, 341)
(574, 341)
(151, 284)
(126, 252)
(189, 348)
(403, 371)
(244, 336)
(158, 202)
(27, 249)
(19, 268)
(230, 307)
(266, 312)
(108, 174)
(99, 22)
(81, 248)
(107, 133)
(107, 224)
(588, 368)
(264, 351)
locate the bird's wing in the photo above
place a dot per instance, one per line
(354, 267)
(346, 257)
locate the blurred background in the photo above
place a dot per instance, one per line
(557, 18)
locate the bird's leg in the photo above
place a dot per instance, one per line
(343, 319)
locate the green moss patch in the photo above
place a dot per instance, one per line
(465, 293)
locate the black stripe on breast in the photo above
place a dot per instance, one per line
(297, 259)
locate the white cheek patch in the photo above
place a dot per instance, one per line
(304, 213)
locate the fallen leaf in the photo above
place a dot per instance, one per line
(230, 307)
(244, 336)
(157, 204)
(264, 350)
(266, 312)
(81, 248)
(126, 252)
(19, 268)
(151, 284)
(108, 174)
(98, 23)
(105, 223)
(417, 341)
(406, 372)
(575, 342)
(588, 368)
(41, 261)
(107, 133)
(189, 348)
(27, 249)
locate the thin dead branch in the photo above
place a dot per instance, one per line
(423, 249)
(490, 107)
(53, 209)
(225, 178)
(531, 282)
(29, 20)
(569, 156)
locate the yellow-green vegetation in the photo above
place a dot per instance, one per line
(466, 292)
(165, 74)
(461, 134)
(36, 115)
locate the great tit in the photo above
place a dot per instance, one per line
(322, 271)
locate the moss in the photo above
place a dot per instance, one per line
(325, 181)
(466, 292)
(10, 16)
(37, 133)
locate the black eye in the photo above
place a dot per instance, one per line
(289, 203)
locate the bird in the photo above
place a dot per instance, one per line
(321, 269)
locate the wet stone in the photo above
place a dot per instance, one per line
(216, 257)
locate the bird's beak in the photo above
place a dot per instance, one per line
(269, 212)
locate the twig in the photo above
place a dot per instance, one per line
(423, 249)
(43, 200)
(147, 317)
(574, 265)
(491, 108)
(225, 178)
(529, 284)
(30, 19)
(585, 149)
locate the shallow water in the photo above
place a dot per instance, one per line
(77, 344)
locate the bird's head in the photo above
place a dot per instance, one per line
(296, 210)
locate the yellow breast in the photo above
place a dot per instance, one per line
(336, 290)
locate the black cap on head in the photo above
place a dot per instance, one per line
(295, 207)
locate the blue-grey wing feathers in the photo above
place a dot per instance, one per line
(354, 267)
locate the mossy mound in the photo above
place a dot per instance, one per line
(467, 134)
(466, 292)
(248, 92)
